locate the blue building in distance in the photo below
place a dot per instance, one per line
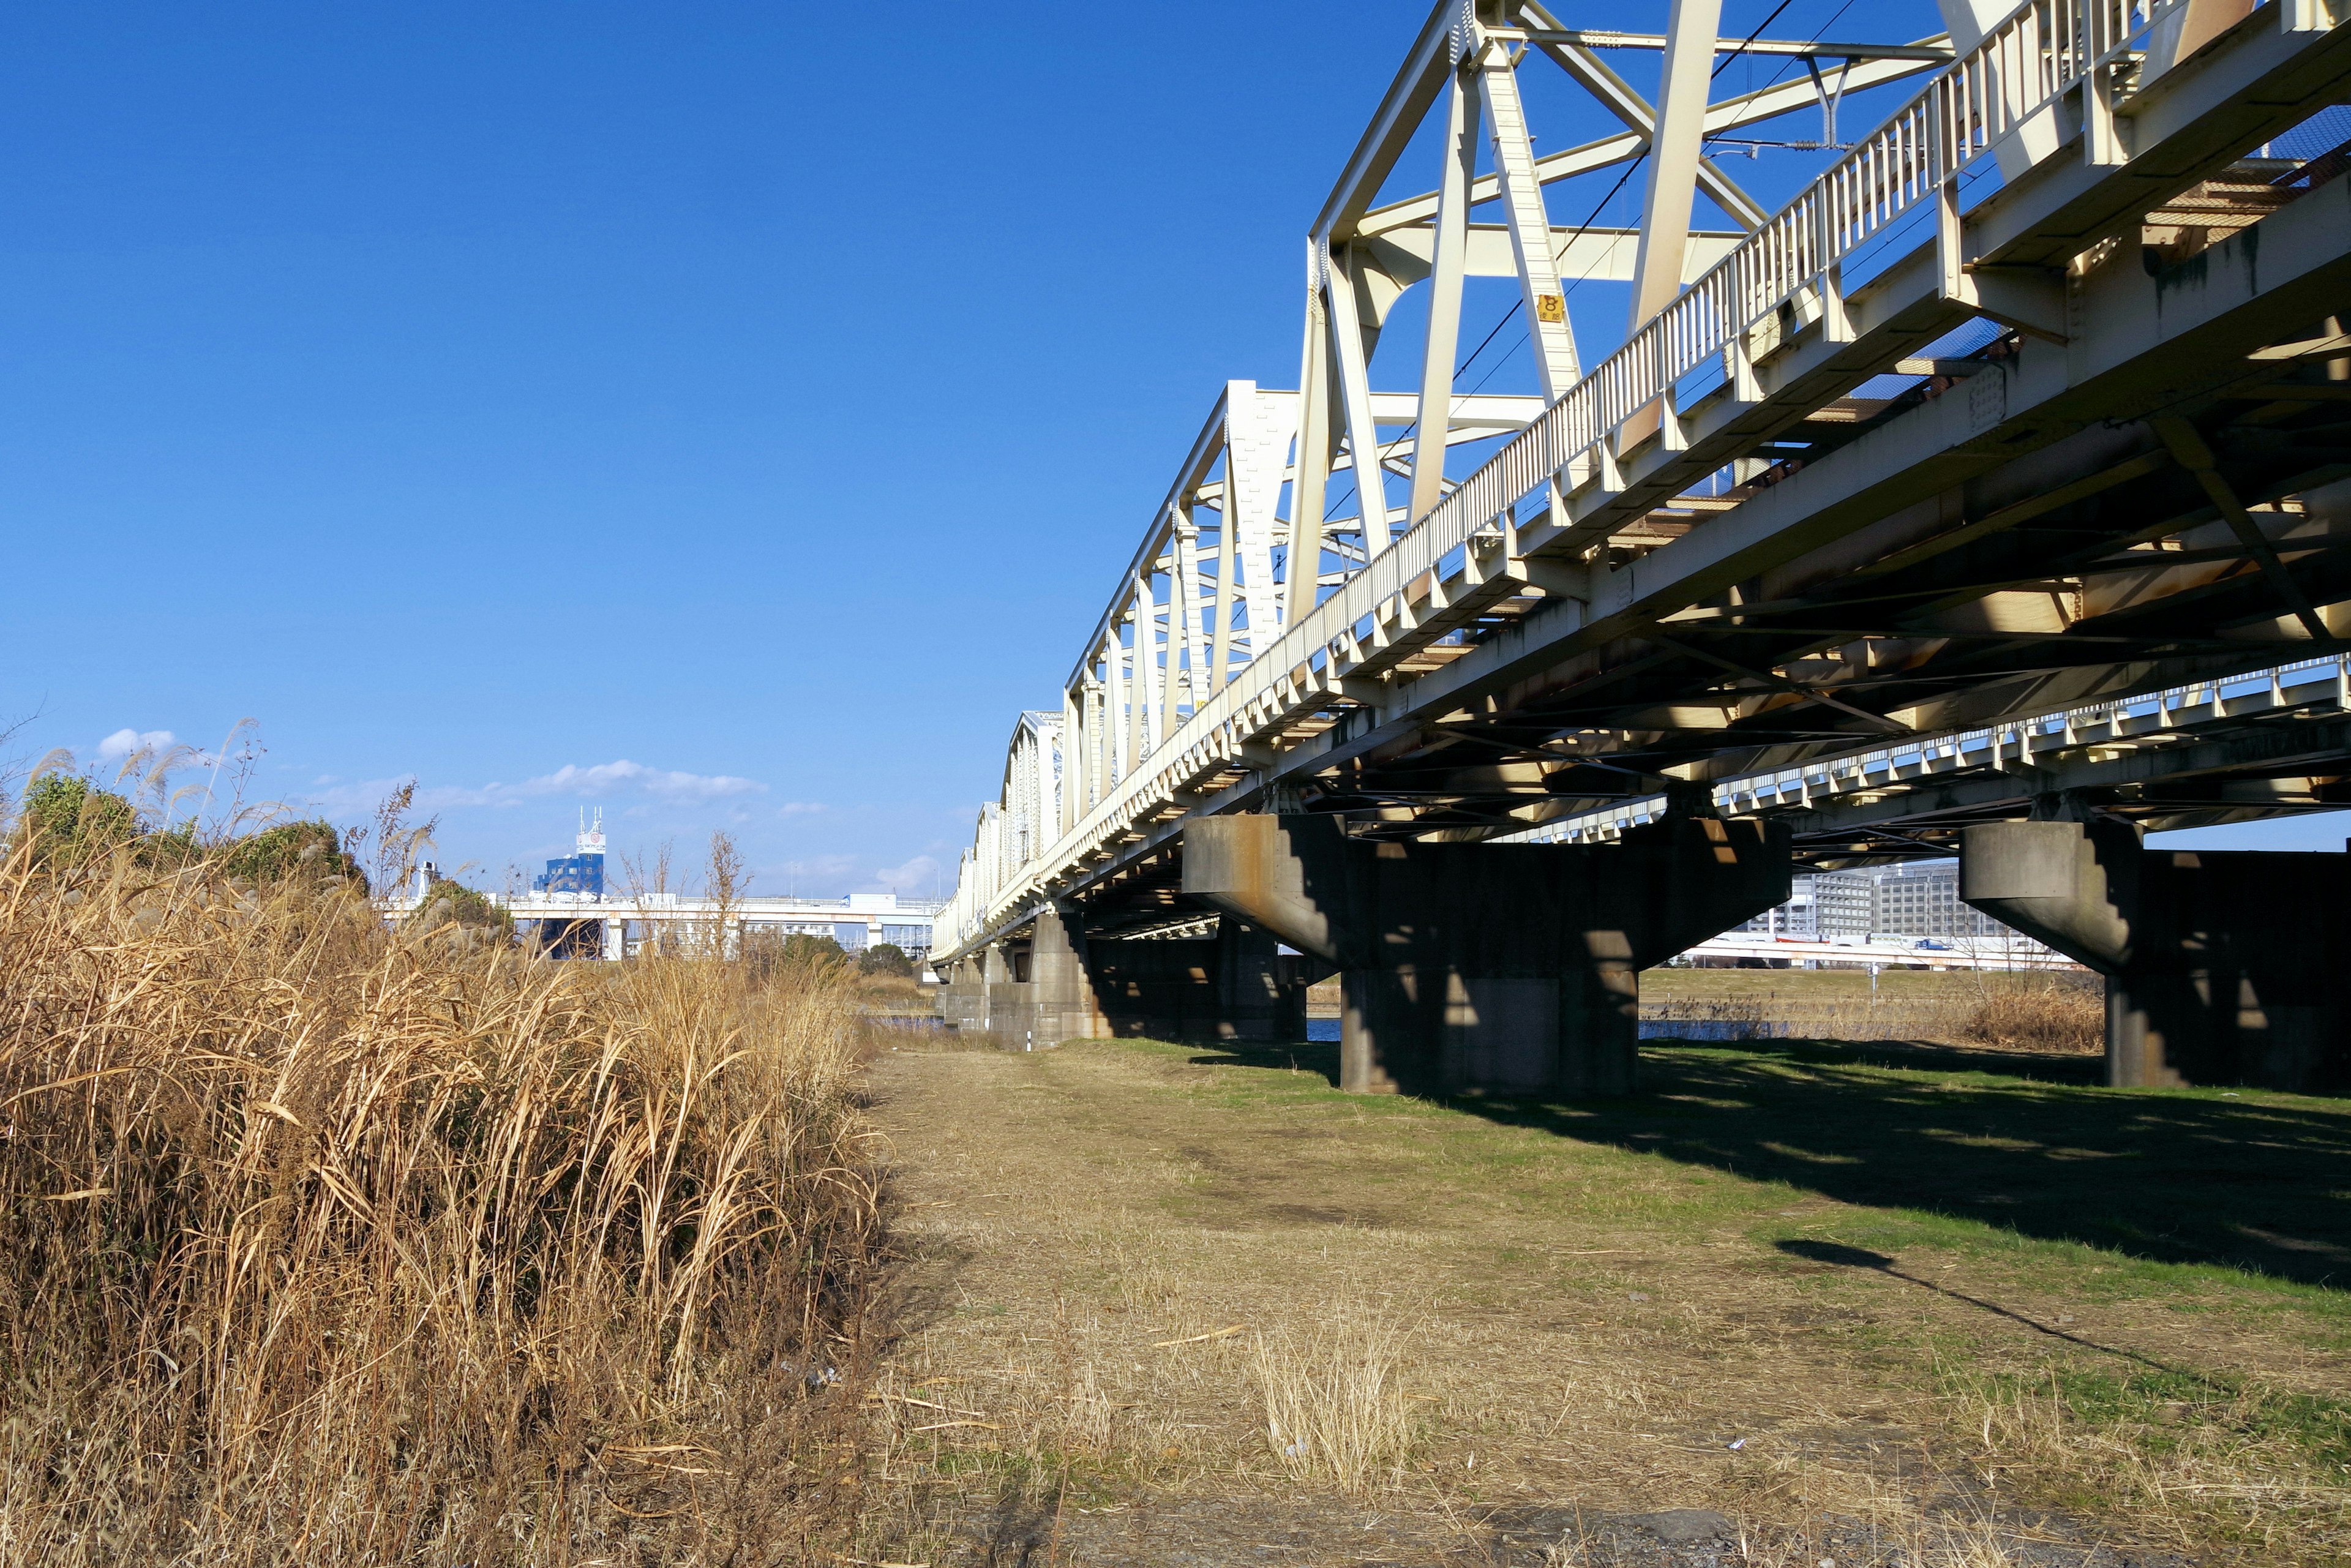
(579, 874)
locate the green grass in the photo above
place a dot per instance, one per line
(2320, 1427)
(2169, 1188)
(2120, 1304)
(2198, 1201)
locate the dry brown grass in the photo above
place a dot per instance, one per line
(2174, 1463)
(2062, 1016)
(895, 994)
(1125, 1252)
(1336, 1406)
(2059, 1013)
(329, 1244)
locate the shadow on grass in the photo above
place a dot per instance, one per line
(2260, 1183)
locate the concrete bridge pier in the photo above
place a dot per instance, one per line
(1029, 990)
(1233, 986)
(1055, 983)
(2221, 967)
(963, 990)
(1503, 967)
(1062, 997)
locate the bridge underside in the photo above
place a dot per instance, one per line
(2117, 462)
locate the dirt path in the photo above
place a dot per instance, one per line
(1583, 1352)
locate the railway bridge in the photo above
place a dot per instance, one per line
(2025, 410)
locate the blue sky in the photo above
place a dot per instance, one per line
(730, 415)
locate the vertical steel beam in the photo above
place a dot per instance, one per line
(1130, 661)
(1529, 224)
(1072, 748)
(1097, 744)
(1187, 573)
(1180, 609)
(1458, 170)
(1114, 704)
(1690, 33)
(1255, 445)
(1317, 438)
(1150, 642)
(1045, 811)
(1220, 628)
(1355, 389)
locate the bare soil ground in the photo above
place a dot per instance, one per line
(1787, 1305)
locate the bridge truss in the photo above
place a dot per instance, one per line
(2032, 399)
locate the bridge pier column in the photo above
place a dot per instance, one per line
(1063, 998)
(1259, 994)
(964, 990)
(2220, 967)
(1233, 986)
(1502, 968)
(1030, 997)
(1007, 999)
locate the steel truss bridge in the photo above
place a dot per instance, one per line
(2031, 403)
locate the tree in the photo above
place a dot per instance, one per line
(803, 948)
(69, 821)
(310, 851)
(887, 958)
(766, 952)
(447, 902)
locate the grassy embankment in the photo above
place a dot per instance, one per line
(1867, 1313)
(330, 1244)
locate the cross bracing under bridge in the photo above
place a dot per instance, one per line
(2259, 744)
(2032, 398)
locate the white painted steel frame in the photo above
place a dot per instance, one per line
(2011, 90)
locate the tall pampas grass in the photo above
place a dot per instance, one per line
(330, 1243)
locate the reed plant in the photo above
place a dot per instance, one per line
(1336, 1406)
(328, 1242)
(2058, 1015)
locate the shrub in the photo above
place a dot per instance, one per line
(308, 851)
(768, 954)
(66, 821)
(886, 958)
(447, 902)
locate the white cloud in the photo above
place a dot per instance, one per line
(624, 777)
(917, 876)
(126, 741)
(612, 781)
(799, 808)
